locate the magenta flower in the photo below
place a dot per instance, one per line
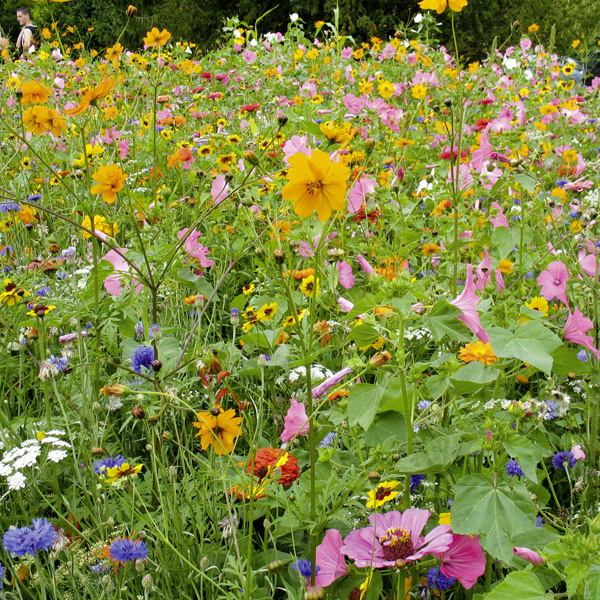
(464, 560)
(113, 284)
(500, 219)
(554, 282)
(395, 536)
(324, 387)
(296, 421)
(345, 276)
(499, 281)
(467, 303)
(575, 329)
(364, 265)
(588, 261)
(329, 559)
(528, 554)
(219, 189)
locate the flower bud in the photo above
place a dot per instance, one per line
(97, 451)
(137, 412)
(140, 565)
(275, 566)
(131, 11)
(259, 251)
(279, 255)
(262, 360)
(147, 582)
(235, 317)
(115, 389)
(282, 120)
(314, 593)
(380, 359)
(156, 366)
(374, 477)
(204, 563)
(250, 157)
(167, 436)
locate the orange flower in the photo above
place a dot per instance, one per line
(156, 38)
(219, 428)
(266, 458)
(55, 122)
(478, 351)
(39, 119)
(34, 93)
(91, 95)
(110, 179)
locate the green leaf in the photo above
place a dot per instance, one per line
(519, 585)
(367, 303)
(495, 512)
(528, 454)
(505, 240)
(576, 572)
(592, 587)
(435, 457)
(436, 385)
(363, 335)
(532, 343)
(566, 361)
(363, 403)
(391, 398)
(526, 181)
(443, 320)
(473, 377)
(388, 430)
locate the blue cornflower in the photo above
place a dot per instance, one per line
(44, 291)
(125, 549)
(68, 252)
(561, 183)
(304, 567)
(550, 412)
(562, 460)
(573, 214)
(20, 541)
(514, 468)
(34, 197)
(423, 404)
(60, 362)
(142, 356)
(6, 207)
(539, 522)
(582, 356)
(100, 466)
(438, 581)
(99, 568)
(329, 440)
(415, 481)
(2, 572)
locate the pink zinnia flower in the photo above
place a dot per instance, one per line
(467, 303)
(464, 560)
(395, 536)
(554, 282)
(329, 559)
(575, 329)
(528, 554)
(296, 421)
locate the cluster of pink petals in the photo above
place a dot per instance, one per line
(194, 249)
(500, 219)
(467, 303)
(575, 329)
(554, 282)
(296, 421)
(587, 258)
(113, 284)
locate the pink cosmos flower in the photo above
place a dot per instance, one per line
(113, 284)
(358, 194)
(464, 560)
(575, 329)
(467, 303)
(364, 265)
(219, 189)
(345, 276)
(329, 559)
(296, 421)
(554, 282)
(294, 145)
(499, 220)
(395, 536)
(577, 452)
(194, 249)
(324, 387)
(528, 554)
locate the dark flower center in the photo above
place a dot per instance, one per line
(397, 544)
(382, 492)
(313, 186)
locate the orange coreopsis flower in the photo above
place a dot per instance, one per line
(110, 181)
(36, 119)
(440, 5)
(102, 89)
(157, 38)
(316, 183)
(267, 460)
(219, 428)
(55, 122)
(34, 93)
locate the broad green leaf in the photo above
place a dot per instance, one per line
(505, 240)
(592, 587)
(526, 181)
(388, 430)
(566, 361)
(443, 320)
(576, 572)
(363, 335)
(391, 398)
(532, 343)
(436, 385)
(367, 303)
(519, 585)
(473, 377)
(434, 458)
(495, 512)
(528, 454)
(363, 403)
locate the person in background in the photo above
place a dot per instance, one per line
(27, 40)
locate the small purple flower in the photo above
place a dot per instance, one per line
(539, 522)
(564, 459)
(513, 468)
(142, 357)
(125, 549)
(303, 567)
(100, 466)
(329, 440)
(415, 481)
(436, 580)
(20, 541)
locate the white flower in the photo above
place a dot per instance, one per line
(56, 432)
(29, 459)
(294, 17)
(57, 455)
(47, 371)
(418, 18)
(16, 481)
(5, 470)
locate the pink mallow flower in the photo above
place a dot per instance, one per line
(194, 249)
(464, 560)
(554, 282)
(113, 284)
(528, 554)
(324, 387)
(330, 560)
(395, 536)
(500, 219)
(575, 329)
(578, 453)
(345, 276)
(467, 303)
(296, 421)
(358, 194)
(364, 265)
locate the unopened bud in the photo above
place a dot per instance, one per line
(137, 412)
(314, 593)
(380, 359)
(97, 452)
(204, 563)
(140, 565)
(282, 120)
(131, 11)
(167, 436)
(374, 477)
(279, 255)
(156, 366)
(250, 157)
(115, 389)
(370, 144)
(147, 582)
(275, 566)
(259, 251)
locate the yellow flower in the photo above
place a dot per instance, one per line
(218, 428)
(91, 95)
(533, 28)
(540, 304)
(316, 183)
(478, 351)
(309, 286)
(290, 320)
(267, 312)
(12, 294)
(440, 5)
(428, 249)
(505, 266)
(385, 89)
(576, 226)
(575, 43)
(445, 519)
(157, 38)
(248, 289)
(338, 135)
(110, 181)
(382, 494)
(34, 93)
(114, 473)
(100, 225)
(419, 91)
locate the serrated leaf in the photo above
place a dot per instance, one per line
(576, 572)
(473, 377)
(443, 320)
(519, 585)
(363, 403)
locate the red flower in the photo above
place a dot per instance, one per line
(267, 457)
(250, 107)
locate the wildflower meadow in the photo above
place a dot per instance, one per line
(299, 318)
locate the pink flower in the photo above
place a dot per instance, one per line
(364, 265)
(219, 189)
(345, 276)
(577, 452)
(464, 560)
(194, 249)
(588, 261)
(575, 329)
(296, 421)
(324, 387)
(528, 554)
(499, 220)
(554, 282)
(294, 145)
(467, 303)
(358, 194)
(395, 536)
(483, 271)
(499, 281)
(249, 56)
(344, 304)
(113, 284)
(329, 559)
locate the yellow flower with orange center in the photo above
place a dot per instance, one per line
(110, 180)
(428, 249)
(478, 351)
(316, 183)
(156, 38)
(218, 428)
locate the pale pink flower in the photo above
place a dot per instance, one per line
(499, 220)
(528, 554)
(575, 329)
(344, 304)
(324, 387)
(554, 282)
(364, 265)
(345, 276)
(219, 189)
(194, 249)
(467, 303)
(358, 194)
(329, 559)
(577, 452)
(483, 270)
(296, 421)
(113, 284)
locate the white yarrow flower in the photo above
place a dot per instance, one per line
(16, 481)
(57, 455)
